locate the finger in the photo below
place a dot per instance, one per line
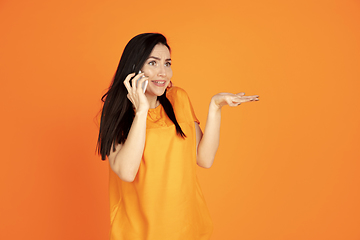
(129, 96)
(248, 97)
(240, 94)
(238, 101)
(232, 102)
(249, 100)
(127, 81)
(254, 96)
(235, 99)
(140, 83)
(242, 100)
(134, 80)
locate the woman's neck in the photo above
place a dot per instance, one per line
(153, 102)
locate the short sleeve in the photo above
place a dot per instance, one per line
(183, 108)
(193, 112)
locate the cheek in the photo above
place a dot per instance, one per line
(169, 73)
(148, 72)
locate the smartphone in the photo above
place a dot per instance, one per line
(144, 85)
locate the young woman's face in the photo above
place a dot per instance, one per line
(158, 69)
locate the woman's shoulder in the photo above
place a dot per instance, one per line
(181, 104)
(176, 93)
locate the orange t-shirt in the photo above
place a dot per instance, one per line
(165, 201)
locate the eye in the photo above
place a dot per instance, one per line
(152, 63)
(168, 64)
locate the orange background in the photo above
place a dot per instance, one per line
(288, 165)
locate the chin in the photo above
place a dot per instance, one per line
(161, 92)
(156, 92)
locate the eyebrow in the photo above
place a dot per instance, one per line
(169, 59)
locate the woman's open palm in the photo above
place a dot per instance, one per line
(233, 100)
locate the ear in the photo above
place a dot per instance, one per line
(170, 85)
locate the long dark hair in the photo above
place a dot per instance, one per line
(117, 113)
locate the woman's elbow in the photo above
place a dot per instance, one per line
(127, 175)
(128, 178)
(205, 163)
(206, 166)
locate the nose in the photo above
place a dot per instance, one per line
(162, 71)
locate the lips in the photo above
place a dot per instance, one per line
(159, 83)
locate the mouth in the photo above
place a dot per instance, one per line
(159, 83)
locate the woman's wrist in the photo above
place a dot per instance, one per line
(141, 112)
(213, 106)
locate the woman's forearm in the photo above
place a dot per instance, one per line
(209, 142)
(125, 161)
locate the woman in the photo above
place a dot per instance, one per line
(153, 142)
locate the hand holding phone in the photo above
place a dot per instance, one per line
(144, 85)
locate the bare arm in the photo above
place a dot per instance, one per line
(208, 143)
(126, 158)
